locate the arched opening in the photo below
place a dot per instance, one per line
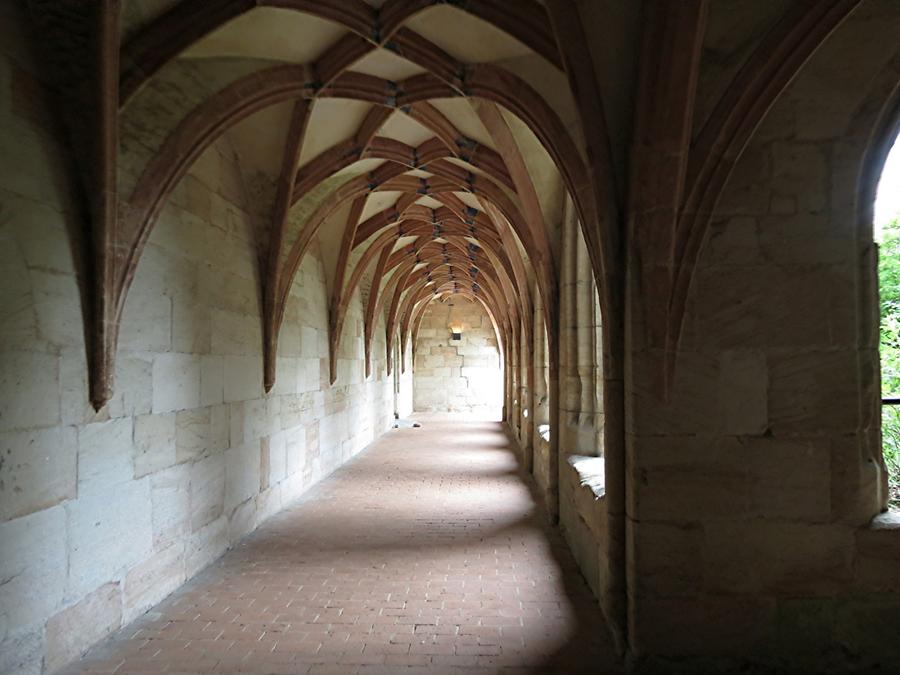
(887, 235)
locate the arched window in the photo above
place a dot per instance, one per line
(887, 234)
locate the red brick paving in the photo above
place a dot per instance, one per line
(426, 554)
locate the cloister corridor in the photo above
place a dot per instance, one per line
(626, 261)
(425, 554)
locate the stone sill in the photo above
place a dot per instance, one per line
(591, 473)
(544, 431)
(889, 520)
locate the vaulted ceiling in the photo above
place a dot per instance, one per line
(430, 148)
(426, 146)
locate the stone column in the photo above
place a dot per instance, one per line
(578, 345)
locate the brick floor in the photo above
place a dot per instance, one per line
(426, 554)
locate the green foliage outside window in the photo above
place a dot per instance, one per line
(889, 289)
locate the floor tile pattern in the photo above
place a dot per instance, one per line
(425, 554)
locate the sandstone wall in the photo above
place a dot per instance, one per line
(104, 514)
(463, 375)
(582, 510)
(754, 479)
(404, 380)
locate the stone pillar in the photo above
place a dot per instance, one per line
(541, 465)
(578, 344)
(526, 363)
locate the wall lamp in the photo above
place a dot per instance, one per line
(455, 331)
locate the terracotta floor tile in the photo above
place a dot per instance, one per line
(426, 554)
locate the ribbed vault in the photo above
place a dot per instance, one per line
(428, 148)
(431, 149)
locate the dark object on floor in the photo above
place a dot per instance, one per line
(405, 424)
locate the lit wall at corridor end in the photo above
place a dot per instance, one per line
(458, 375)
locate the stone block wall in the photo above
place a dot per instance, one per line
(754, 481)
(457, 375)
(104, 514)
(404, 379)
(583, 519)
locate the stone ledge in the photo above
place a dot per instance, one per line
(591, 472)
(544, 431)
(889, 520)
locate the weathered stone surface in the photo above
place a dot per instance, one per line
(800, 399)
(790, 558)
(17, 304)
(234, 333)
(583, 517)
(242, 473)
(806, 633)
(29, 390)
(33, 563)
(154, 443)
(287, 382)
(200, 432)
(743, 385)
(269, 502)
(277, 457)
(309, 376)
(243, 378)
(687, 410)
(787, 479)
(799, 169)
(242, 520)
(211, 380)
(309, 342)
(667, 559)
(689, 479)
(295, 448)
(735, 625)
(878, 547)
(865, 626)
(207, 490)
(170, 498)
(206, 545)
(152, 580)
(176, 382)
(293, 487)
(735, 241)
(37, 470)
(71, 631)
(108, 533)
(191, 326)
(56, 305)
(148, 321)
(74, 401)
(105, 456)
(134, 386)
(255, 420)
(22, 651)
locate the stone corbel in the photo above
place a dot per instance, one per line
(80, 45)
(272, 272)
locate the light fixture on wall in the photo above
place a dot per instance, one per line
(455, 331)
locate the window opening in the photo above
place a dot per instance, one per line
(887, 235)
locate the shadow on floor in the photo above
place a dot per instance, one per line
(425, 554)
